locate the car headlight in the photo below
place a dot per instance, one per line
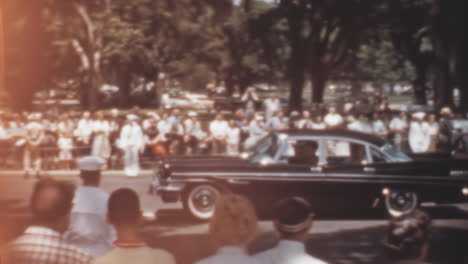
(465, 191)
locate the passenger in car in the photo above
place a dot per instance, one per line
(305, 153)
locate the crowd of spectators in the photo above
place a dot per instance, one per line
(44, 141)
(87, 225)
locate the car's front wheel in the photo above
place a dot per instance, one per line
(399, 202)
(200, 201)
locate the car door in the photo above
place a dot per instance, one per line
(353, 182)
(288, 174)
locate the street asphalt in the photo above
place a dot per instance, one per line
(169, 227)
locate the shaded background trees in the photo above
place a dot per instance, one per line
(83, 44)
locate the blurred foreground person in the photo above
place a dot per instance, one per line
(42, 243)
(88, 228)
(125, 214)
(232, 227)
(407, 241)
(132, 143)
(35, 134)
(293, 220)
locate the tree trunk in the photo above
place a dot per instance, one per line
(443, 89)
(318, 87)
(419, 85)
(295, 93)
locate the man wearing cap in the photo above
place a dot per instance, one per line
(293, 220)
(132, 142)
(35, 134)
(88, 228)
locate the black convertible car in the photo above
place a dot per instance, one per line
(339, 172)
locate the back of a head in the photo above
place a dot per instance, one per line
(234, 221)
(124, 207)
(51, 200)
(292, 215)
(408, 235)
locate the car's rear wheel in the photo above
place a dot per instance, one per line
(400, 202)
(200, 201)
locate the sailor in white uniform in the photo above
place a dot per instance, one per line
(88, 227)
(132, 142)
(419, 136)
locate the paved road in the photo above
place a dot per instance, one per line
(345, 241)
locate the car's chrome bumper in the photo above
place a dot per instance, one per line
(169, 193)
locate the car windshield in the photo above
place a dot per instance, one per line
(396, 154)
(265, 148)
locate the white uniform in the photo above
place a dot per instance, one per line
(84, 130)
(88, 227)
(419, 137)
(229, 255)
(132, 142)
(287, 252)
(333, 120)
(233, 141)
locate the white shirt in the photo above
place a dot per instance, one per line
(233, 135)
(219, 128)
(333, 120)
(88, 227)
(287, 252)
(228, 255)
(419, 137)
(360, 126)
(84, 129)
(101, 126)
(131, 136)
(398, 124)
(272, 105)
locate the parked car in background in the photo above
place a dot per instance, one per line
(341, 173)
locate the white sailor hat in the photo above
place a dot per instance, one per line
(90, 163)
(192, 114)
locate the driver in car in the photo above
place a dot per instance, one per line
(305, 153)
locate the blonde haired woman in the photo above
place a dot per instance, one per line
(232, 227)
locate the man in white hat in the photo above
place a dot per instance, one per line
(35, 134)
(88, 227)
(419, 136)
(132, 143)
